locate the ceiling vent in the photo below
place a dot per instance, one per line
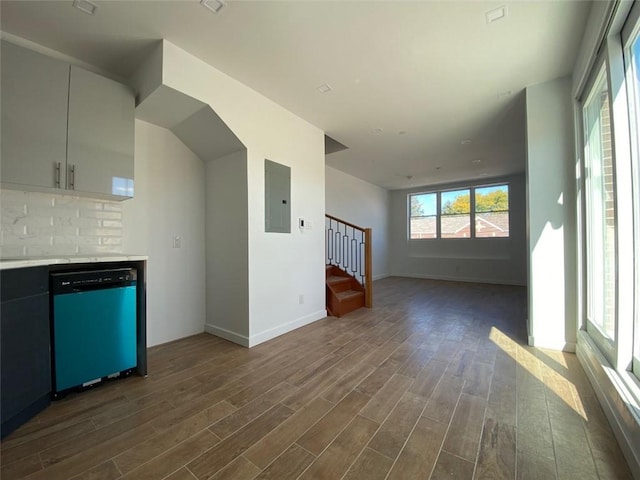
(496, 14)
(324, 88)
(213, 5)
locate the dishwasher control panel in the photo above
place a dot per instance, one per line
(75, 281)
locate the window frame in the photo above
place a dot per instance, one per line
(474, 203)
(440, 214)
(410, 217)
(605, 344)
(628, 36)
(627, 303)
(472, 211)
(617, 386)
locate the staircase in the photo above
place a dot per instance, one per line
(344, 293)
(348, 258)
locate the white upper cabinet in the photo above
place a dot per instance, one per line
(64, 127)
(101, 130)
(35, 91)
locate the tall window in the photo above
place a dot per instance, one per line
(423, 218)
(474, 212)
(610, 219)
(492, 211)
(600, 218)
(455, 214)
(631, 38)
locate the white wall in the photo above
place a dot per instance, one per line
(551, 215)
(281, 266)
(169, 200)
(227, 250)
(362, 204)
(485, 260)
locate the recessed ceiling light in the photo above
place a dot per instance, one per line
(466, 141)
(324, 88)
(85, 6)
(496, 14)
(213, 5)
(476, 160)
(376, 131)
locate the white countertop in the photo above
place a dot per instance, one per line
(22, 262)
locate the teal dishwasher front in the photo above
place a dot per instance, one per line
(93, 326)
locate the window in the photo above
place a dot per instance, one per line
(610, 109)
(423, 223)
(474, 212)
(609, 207)
(455, 214)
(601, 213)
(631, 37)
(492, 211)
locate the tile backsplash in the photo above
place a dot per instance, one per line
(37, 224)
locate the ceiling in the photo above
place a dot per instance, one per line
(422, 92)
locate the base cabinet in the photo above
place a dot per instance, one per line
(25, 363)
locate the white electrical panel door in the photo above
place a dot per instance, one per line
(277, 197)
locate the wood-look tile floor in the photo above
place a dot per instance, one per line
(434, 382)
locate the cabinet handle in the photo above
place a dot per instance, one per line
(72, 177)
(57, 175)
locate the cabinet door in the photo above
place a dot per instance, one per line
(101, 130)
(25, 361)
(34, 117)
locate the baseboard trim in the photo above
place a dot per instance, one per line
(227, 335)
(448, 278)
(552, 344)
(380, 277)
(267, 335)
(615, 400)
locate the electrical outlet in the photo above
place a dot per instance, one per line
(177, 241)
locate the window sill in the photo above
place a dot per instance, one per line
(619, 396)
(460, 257)
(482, 239)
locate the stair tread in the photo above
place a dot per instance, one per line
(337, 279)
(349, 294)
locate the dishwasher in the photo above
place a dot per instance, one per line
(94, 320)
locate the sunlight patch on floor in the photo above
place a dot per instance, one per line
(550, 378)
